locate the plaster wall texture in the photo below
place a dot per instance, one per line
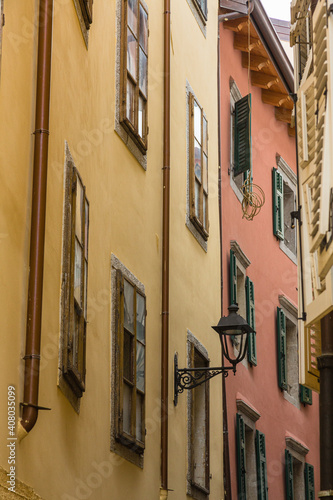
(67, 455)
(273, 274)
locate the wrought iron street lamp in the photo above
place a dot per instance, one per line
(233, 326)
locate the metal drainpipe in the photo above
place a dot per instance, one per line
(226, 455)
(165, 255)
(38, 211)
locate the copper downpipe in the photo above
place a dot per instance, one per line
(165, 252)
(38, 210)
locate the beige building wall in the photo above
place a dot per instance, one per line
(67, 455)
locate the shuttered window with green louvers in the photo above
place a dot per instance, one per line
(305, 395)
(250, 318)
(309, 482)
(241, 457)
(261, 466)
(289, 476)
(278, 218)
(242, 142)
(233, 278)
(282, 348)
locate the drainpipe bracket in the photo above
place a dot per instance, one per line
(35, 406)
(325, 493)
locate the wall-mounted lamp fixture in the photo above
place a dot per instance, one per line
(232, 325)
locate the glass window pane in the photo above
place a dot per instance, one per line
(197, 122)
(130, 101)
(197, 160)
(205, 173)
(85, 287)
(131, 53)
(78, 210)
(205, 135)
(86, 230)
(143, 29)
(128, 306)
(140, 366)
(143, 72)
(127, 408)
(140, 318)
(142, 118)
(197, 199)
(77, 272)
(132, 15)
(128, 356)
(139, 408)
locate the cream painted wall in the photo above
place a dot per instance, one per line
(62, 456)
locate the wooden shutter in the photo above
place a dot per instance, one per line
(278, 218)
(233, 278)
(119, 350)
(305, 395)
(289, 476)
(242, 142)
(250, 318)
(241, 457)
(282, 348)
(309, 482)
(261, 466)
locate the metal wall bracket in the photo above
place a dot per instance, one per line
(189, 378)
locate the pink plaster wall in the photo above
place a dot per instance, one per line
(272, 272)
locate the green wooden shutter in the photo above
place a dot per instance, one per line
(241, 460)
(289, 476)
(242, 142)
(233, 278)
(278, 218)
(309, 482)
(261, 466)
(282, 348)
(250, 318)
(305, 395)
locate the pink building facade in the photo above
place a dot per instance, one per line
(273, 426)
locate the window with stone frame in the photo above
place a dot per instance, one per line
(299, 475)
(74, 285)
(133, 112)
(251, 454)
(287, 338)
(284, 202)
(198, 419)
(240, 139)
(129, 355)
(198, 143)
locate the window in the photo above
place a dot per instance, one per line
(74, 282)
(198, 410)
(284, 202)
(86, 9)
(129, 347)
(2, 23)
(242, 294)
(200, 12)
(198, 168)
(240, 139)
(134, 71)
(251, 454)
(288, 350)
(202, 6)
(299, 475)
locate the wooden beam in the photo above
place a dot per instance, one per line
(263, 80)
(235, 24)
(283, 115)
(257, 63)
(277, 99)
(241, 42)
(291, 131)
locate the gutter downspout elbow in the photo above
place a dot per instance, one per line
(38, 213)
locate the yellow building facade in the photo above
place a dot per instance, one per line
(101, 311)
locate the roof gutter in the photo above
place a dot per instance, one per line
(38, 212)
(165, 256)
(272, 44)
